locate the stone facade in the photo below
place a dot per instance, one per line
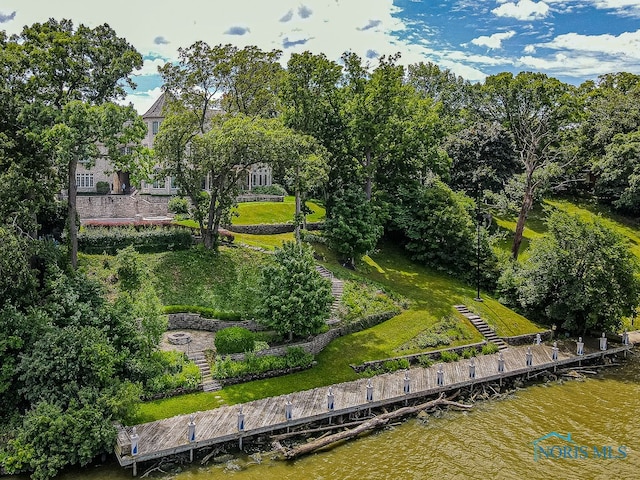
(121, 206)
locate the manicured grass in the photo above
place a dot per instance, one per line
(255, 213)
(536, 223)
(431, 296)
(268, 242)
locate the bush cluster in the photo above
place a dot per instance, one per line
(102, 188)
(388, 366)
(164, 372)
(225, 368)
(490, 348)
(178, 205)
(204, 312)
(145, 240)
(234, 340)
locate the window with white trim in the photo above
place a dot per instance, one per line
(155, 126)
(84, 180)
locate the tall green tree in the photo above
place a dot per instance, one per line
(608, 143)
(296, 299)
(581, 276)
(85, 133)
(536, 110)
(353, 227)
(63, 65)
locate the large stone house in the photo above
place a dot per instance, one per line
(87, 178)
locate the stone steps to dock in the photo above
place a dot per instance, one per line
(207, 381)
(482, 326)
(337, 288)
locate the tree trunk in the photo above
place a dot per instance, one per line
(527, 203)
(297, 215)
(71, 214)
(209, 233)
(375, 422)
(367, 167)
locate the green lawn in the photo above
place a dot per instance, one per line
(255, 213)
(431, 297)
(536, 223)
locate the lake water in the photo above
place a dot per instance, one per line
(494, 440)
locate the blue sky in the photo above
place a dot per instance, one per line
(573, 40)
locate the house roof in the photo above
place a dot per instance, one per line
(156, 109)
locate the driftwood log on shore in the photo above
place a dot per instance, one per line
(371, 424)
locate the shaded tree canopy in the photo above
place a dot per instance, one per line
(581, 276)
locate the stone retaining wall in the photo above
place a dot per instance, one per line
(319, 342)
(271, 229)
(527, 339)
(121, 206)
(252, 197)
(414, 358)
(193, 321)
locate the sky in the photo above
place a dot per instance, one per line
(572, 40)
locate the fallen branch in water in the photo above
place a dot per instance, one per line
(376, 422)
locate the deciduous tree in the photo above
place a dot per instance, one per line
(581, 275)
(297, 299)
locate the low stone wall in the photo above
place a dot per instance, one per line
(414, 358)
(252, 197)
(319, 342)
(193, 321)
(121, 206)
(271, 229)
(527, 339)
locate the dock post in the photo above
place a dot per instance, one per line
(603, 342)
(191, 434)
(330, 401)
(240, 425)
(554, 355)
(369, 393)
(500, 366)
(406, 385)
(134, 449)
(440, 376)
(288, 409)
(625, 341)
(529, 359)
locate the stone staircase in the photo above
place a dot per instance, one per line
(208, 383)
(337, 287)
(482, 327)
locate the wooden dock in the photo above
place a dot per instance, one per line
(168, 437)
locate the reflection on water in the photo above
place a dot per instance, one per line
(492, 441)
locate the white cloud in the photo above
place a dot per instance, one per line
(570, 65)
(142, 101)
(150, 66)
(621, 7)
(626, 44)
(493, 41)
(522, 10)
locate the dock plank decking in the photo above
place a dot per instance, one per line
(169, 436)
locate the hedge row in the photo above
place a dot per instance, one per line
(145, 240)
(204, 312)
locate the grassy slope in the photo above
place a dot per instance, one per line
(536, 223)
(431, 297)
(254, 213)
